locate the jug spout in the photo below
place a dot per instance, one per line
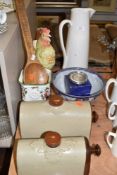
(82, 11)
(91, 11)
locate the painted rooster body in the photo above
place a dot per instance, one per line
(45, 53)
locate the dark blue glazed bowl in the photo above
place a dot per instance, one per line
(96, 82)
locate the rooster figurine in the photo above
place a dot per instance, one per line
(45, 53)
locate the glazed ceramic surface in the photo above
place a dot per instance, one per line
(66, 119)
(3, 17)
(97, 84)
(34, 157)
(112, 145)
(112, 113)
(7, 5)
(77, 45)
(113, 97)
(3, 22)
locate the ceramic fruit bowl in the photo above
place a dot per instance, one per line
(87, 91)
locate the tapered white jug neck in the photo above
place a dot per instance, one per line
(83, 10)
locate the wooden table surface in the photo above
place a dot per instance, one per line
(106, 163)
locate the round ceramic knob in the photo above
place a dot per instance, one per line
(52, 139)
(55, 100)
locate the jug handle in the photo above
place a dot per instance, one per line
(61, 38)
(110, 134)
(109, 82)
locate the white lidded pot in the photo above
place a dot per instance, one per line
(53, 155)
(55, 114)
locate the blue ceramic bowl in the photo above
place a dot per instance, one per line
(97, 84)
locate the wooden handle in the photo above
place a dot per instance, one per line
(25, 29)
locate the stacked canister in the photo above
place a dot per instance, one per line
(54, 137)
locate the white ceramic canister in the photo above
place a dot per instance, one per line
(71, 118)
(70, 156)
(76, 53)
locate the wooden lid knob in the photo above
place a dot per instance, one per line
(52, 139)
(94, 116)
(95, 149)
(55, 100)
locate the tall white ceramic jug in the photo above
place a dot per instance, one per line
(77, 46)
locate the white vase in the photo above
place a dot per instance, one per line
(77, 46)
